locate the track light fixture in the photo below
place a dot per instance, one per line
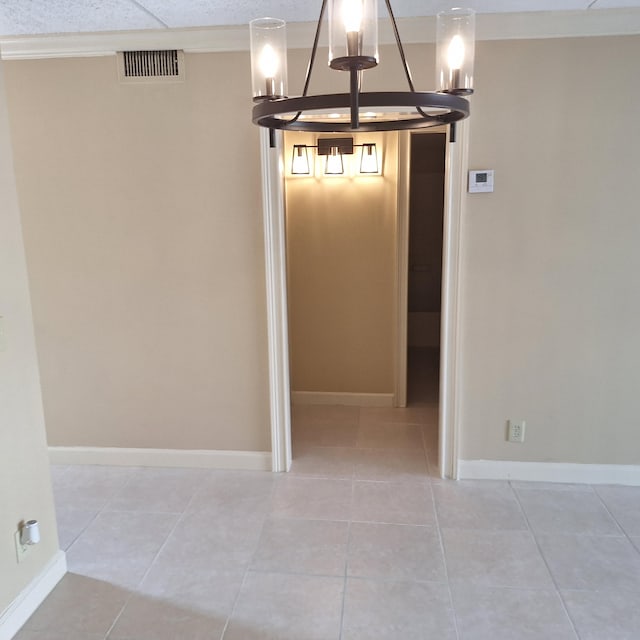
(353, 47)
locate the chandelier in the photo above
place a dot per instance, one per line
(353, 47)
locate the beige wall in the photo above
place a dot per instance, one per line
(25, 484)
(551, 298)
(149, 304)
(143, 227)
(341, 261)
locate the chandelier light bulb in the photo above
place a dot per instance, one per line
(455, 53)
(268, 61)
(352, 15)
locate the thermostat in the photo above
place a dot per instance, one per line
(481, 181)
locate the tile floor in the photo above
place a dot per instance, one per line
(360, 541)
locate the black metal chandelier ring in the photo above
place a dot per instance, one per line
(268, 113)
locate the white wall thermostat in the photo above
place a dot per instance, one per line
(481, 181)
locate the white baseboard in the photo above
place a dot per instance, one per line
(199, 459)
(625, 474)
(21, 609)
(349, 399)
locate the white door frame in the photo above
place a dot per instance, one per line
(454, 184)
(450, 344)
(275, 254)
(276, 285)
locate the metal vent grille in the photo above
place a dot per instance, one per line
(152, 64)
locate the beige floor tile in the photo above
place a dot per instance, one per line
(522, 485)
(591, 562)
(395, 552)
(309, 413)
(495, 559)
(77, 606)
(385, 610)
(477, 505)
(550, 511)
(431, 438)
(433, 469)
(316, 547)
(53, 635)
(71, 523)
(391, 415)
(599, 615)
(173, 603)
(211, 541)
(234, 494)
(312, 498)
(146, 618)
(390, 436)
(323, 462)
(398, 464)
(119, 547)
(325, 434)
(510, 614)
(287, 607)
(90, 487)
(393, 502)
(624, 504)
(159, 490)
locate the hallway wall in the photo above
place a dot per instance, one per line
(341, 265)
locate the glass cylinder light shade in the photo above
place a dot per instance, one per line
(455, 46)
(353, 32)
(268, 58)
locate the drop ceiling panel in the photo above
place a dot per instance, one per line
(200, 13)
(26, 17)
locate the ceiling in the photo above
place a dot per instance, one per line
(37, 17)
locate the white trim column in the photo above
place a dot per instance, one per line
(276, 281)
(450, 347)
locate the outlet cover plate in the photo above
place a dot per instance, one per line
(515, 430)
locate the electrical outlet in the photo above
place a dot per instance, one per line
(22, 550)
(515, 430)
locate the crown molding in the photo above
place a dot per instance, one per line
(494, 26)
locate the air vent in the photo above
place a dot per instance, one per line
(151, 66)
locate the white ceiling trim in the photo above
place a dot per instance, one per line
(499, 26)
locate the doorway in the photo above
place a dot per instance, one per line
(275, 263)
(424, 277)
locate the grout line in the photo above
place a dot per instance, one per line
(346, 561)
(622, 529)
(103, 508)
(544, 559)
(444, 561)
(155, 557)
(251, 560)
